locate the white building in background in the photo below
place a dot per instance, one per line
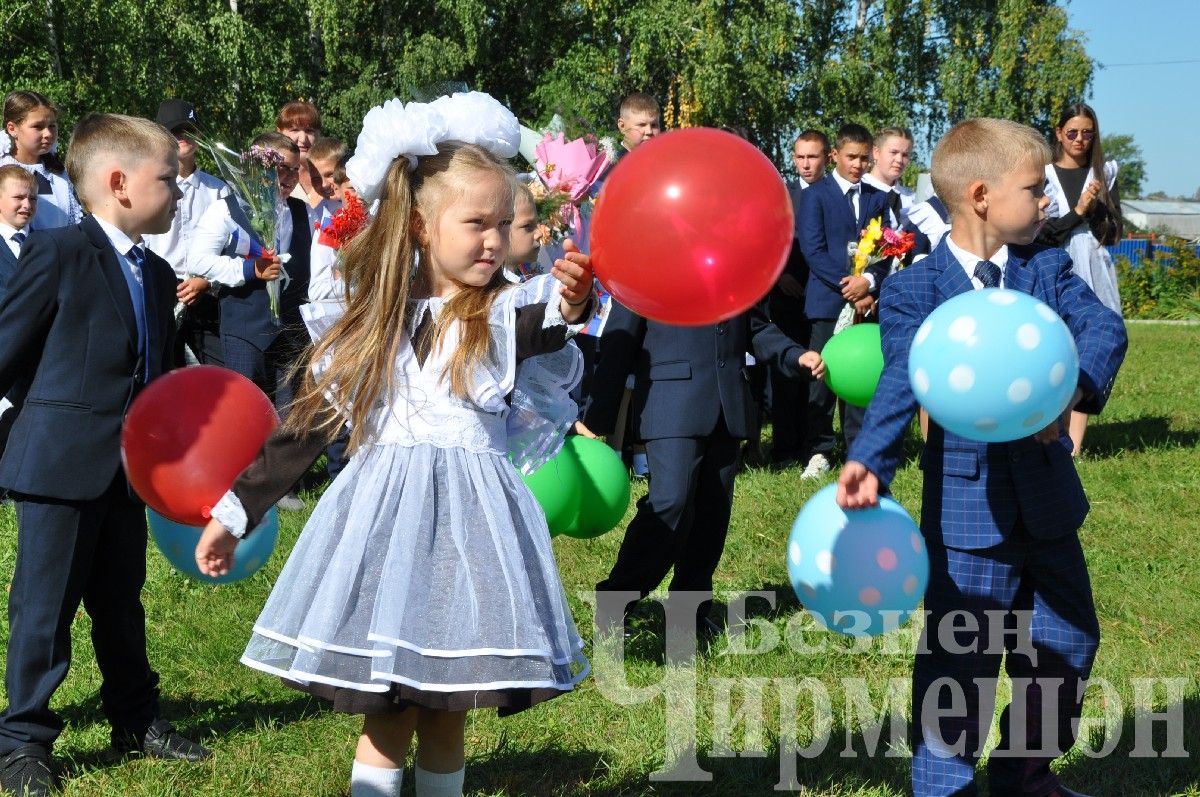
(1173, 216)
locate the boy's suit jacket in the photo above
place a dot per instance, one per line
(246, 309)
(70, 335)
(974, 492)
(826, 225)
(684, 377)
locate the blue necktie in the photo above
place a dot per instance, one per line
(850, 202)
(988, 273)
(138, 294)
(18, 238)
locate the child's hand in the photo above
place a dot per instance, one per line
(813, 362)
(190, 289)
(1060, 424)
(214, 552)
(583, 431)
(267, 267)
(574, 271)
(865, 306)
(855, 288)
(858, 488)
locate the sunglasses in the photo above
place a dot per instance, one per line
(1087, 135)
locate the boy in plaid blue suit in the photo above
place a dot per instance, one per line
(1000, 519)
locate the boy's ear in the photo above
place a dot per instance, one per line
(621, 124)
(115, 181)
(977, 195)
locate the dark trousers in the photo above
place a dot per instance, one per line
(199, 330)
(1047, 578)
(683, 519)
(269, 369)
(822, 402)
(67, 552)
(789, 396)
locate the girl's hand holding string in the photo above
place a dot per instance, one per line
(574, 271)
(214, 552)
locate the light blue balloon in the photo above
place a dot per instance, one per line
(993, 365)
(178, 543)
(860, 573)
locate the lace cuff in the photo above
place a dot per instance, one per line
(554, 316)
(230, 514)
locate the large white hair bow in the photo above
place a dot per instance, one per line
(413, 130)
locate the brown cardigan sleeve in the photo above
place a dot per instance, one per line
(284, 458)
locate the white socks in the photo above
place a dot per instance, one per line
(432, 784)
(369, 781)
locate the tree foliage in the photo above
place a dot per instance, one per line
(773, 66)
(1132, 175)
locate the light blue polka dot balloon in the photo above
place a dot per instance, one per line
(178, 543)
(860, 573)
(993, 365)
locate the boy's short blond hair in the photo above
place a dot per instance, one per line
(129, 138)
(638, 102)
(12, 171)
(983, 149)
(327, 148)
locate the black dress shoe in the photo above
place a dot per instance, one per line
(26, 772)
(160, 740)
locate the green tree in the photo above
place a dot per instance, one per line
(1128, 155)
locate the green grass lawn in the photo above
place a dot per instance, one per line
(1142, 539)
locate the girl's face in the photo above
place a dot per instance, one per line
(523, 248)
(1075, 136)
(34, 135)
(469, 240)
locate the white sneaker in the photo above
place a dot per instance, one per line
(818, 465)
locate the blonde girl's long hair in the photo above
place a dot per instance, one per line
(381, 269)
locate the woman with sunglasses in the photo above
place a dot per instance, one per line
(1084, 214)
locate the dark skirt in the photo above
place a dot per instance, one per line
(401, 697)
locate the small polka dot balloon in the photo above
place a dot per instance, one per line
(993, 365)
(859, 573)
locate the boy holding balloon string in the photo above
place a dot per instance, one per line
(87, 324)
(1000, 519)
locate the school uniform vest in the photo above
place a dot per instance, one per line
(246, 309)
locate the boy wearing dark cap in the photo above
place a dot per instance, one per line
(198, 330)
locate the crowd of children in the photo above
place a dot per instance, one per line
(443, 352)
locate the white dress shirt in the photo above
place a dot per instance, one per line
(969, 260)
(122, 243)
(199, 190)
(907, 196)
(845, 186)
(7, 232)
(206, 256)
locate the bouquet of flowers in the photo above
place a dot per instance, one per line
(875, 244)
(251, 177)
(567, 171)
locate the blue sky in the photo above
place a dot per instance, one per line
(1159, 103)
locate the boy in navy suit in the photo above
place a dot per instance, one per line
(18, 204)
(789, 398)
(833, 213)
(86, 324)
(692, 407)
(1000, 519)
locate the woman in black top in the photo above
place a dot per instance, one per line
(1084, 214)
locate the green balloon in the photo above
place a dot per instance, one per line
(603, 488)
(556, 486)
(853, 363)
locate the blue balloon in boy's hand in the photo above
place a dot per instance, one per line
(993, 365)
(860, 573)
(178, 543)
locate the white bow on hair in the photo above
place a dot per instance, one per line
(394, 129)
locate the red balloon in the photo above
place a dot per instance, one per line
(691, 228)
(189, 434)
